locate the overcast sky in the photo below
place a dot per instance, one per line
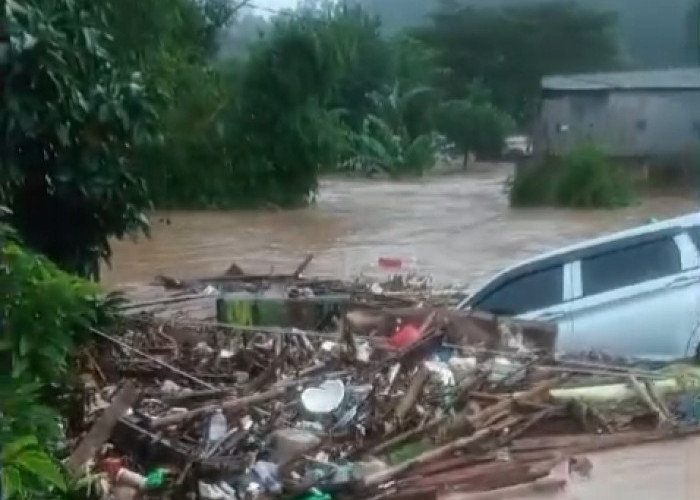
(276, 4)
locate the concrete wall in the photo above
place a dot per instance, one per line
(632, 124)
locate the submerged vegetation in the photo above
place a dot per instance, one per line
(584, 178)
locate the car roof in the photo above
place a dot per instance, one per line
(651, 227)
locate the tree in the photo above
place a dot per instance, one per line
(366, 58)
(72, 120)
(508, 50)
(637, 20)
(475, 126)
(281, 131)
(261, 126)
(173, 44)
(416, 62)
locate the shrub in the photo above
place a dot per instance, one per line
(588, 179)
(584, 178)
(533, 185)
(46, 316)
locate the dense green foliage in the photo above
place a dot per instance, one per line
(395, 136)
(113, 106)
(72, 120)
(585, 178)
(475, 126)
(46, 315)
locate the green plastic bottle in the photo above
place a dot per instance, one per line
(156, 479)
(314, 494)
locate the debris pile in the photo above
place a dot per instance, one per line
(400, 402)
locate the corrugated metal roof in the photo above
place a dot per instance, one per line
(669, 79)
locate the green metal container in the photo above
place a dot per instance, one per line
(242, 308)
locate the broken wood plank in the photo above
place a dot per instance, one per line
(425, 457)
(102, 429)
(409, 399)
(227, 406)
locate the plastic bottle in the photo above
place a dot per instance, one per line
(267, 473)
(217, 427)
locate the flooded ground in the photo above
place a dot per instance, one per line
(668, 471)
(458, 228)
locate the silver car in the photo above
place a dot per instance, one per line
(635, 293)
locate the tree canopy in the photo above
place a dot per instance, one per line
(508, 50)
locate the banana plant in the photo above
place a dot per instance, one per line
(386, 141)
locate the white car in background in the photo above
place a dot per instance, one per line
(517, 147)
(635, 293)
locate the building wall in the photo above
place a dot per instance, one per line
(622, 123)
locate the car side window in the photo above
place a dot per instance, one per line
(629, 266)
(525, 293)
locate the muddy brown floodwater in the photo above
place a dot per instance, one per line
(458, 228)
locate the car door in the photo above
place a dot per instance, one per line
(637, 298)
(534, 292)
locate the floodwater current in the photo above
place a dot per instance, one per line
(457, 228)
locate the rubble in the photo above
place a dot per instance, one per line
(467, 402)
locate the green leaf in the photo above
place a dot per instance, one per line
(11, 450)
(11, 482)
(41, 465)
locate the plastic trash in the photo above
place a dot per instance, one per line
(218, 427)
(359, 393)
(213, 492)
(128, 477)
(502, 368)
(287, 443)
(325, 398)
(346, 418)
(156, 479)
(462, 367)
(441, 372)
(266, 474)
(405, 336)
(314, 494)
(170, 387)
(315, 427)
(363, 352)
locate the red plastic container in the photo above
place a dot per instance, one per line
(405, 336)
(390, 262)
